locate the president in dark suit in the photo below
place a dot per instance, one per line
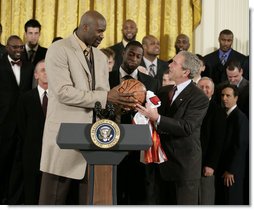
(217, 61)
(31, 118)
(15, 79)
(130, 185)
(179, 121)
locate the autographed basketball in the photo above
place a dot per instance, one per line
(134, 86)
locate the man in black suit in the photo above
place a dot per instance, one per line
(129, 31)
(217, 61)
(233, 162)
(131, 172)
(31, 118)
(33, 51)
(212, 139)
(154, 65)
(234, 73)
(178, 122)
(15, 78)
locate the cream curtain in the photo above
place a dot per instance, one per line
(164, 19)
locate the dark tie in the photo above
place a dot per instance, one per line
(171, 94)
(89, 59)
(152, 70)
(45, 103)
(18, 62)
(223, 59)
(31, 55)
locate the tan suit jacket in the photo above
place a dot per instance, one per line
(71, 100)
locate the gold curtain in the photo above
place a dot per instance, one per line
(164, 19)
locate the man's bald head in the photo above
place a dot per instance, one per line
(91, 28)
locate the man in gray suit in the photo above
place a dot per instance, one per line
(77, 78)
(178, 122)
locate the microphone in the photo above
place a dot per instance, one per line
(111, 111)
(97, 109)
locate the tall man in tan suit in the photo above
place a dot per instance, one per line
(77, 78)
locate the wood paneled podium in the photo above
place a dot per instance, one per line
(103, 162)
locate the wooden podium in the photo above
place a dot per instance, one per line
(103, 162)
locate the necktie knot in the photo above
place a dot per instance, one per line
(31, 54)
(152, 70)
(171, 94)
(18, 62)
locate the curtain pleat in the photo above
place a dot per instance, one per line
(164, 19)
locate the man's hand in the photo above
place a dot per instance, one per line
(228, 179)
(150, 113)
(124, 100)
(207, 171)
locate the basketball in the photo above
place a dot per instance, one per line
(134, 86)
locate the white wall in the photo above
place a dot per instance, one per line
(223, 14)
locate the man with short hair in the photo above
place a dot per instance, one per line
(15, 79)
(129, 31)
(33, 51)
(178, 122)
(217, 61)
(212, 140)
(232, 166)
(150, 61)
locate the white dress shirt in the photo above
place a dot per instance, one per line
(16, 70)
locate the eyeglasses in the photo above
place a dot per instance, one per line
(15, 47)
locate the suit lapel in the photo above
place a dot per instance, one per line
(80, 55)
(183, 96)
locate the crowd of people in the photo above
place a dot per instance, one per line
(203, 120)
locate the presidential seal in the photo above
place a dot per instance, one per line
(105, 133)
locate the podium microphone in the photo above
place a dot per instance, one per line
(111, 111)
(97, 110)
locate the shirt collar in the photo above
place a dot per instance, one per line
(10, 59)
(224, 53)
(41, 91)
(134, 74)
(81, 44)
(28, 48)
(124, 43)
(148, 63)
(231, 109)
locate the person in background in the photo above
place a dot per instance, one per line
(2, 47)
(178, 121)
(234, 73)
(131, 187)
(15, 79)
(33, 51)
(212, 139)
(232, 165)
(111, 57)
(182, 42)
(197, 77)
(154, 65)
(217, 61)
(77, 78)
(32, 108)
(129, 31)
